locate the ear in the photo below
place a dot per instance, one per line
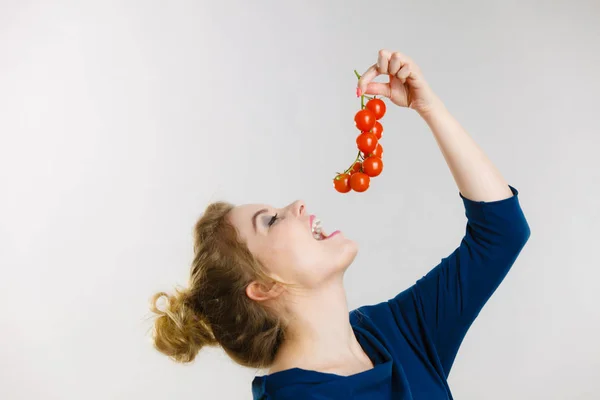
(260, 292)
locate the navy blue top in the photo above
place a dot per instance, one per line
(413, 338)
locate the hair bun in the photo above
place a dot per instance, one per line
(178, 331)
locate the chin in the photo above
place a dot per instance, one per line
(347, 253)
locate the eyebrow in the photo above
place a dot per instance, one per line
(256, 214)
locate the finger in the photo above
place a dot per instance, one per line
(367, 77)
(383, 61)
(404, 73)
(397, 61)
(379, 89)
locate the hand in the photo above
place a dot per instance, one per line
(406, 88)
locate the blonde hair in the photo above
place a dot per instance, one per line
(214, 309)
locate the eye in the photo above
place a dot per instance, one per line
(272, 221)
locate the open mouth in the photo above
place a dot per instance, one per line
(316, 229)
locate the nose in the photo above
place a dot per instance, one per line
(298, 208)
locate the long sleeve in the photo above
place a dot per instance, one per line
(448, 299)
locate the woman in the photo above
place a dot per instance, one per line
(272, 296)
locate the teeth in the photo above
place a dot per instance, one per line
(316, 226)
(316, 229)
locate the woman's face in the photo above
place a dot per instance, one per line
(286, 246)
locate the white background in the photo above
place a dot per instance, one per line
(120, 121)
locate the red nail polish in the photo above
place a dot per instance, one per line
(358, 92)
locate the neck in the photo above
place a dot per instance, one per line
(319, 335)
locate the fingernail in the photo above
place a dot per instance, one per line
(358, 92)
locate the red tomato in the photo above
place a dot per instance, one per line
(365, 120)
(360, 182)
(373, 166)
(378, 152)
(355, 168)
(377, 129)
(377, 106)
(341, 183)
(366, 142)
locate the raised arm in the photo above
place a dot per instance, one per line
(439, 309)
(477, 178)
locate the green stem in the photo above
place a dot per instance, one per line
(354, 162)
(362, 97)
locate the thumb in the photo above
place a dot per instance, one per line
(379, 89)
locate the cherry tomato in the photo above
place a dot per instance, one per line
(366, 142)
(355, 168)
(365, 120)
(378, 152)
(373, 166)
(377, 129)
(341, 183)
(360, 182)
(377, 106)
